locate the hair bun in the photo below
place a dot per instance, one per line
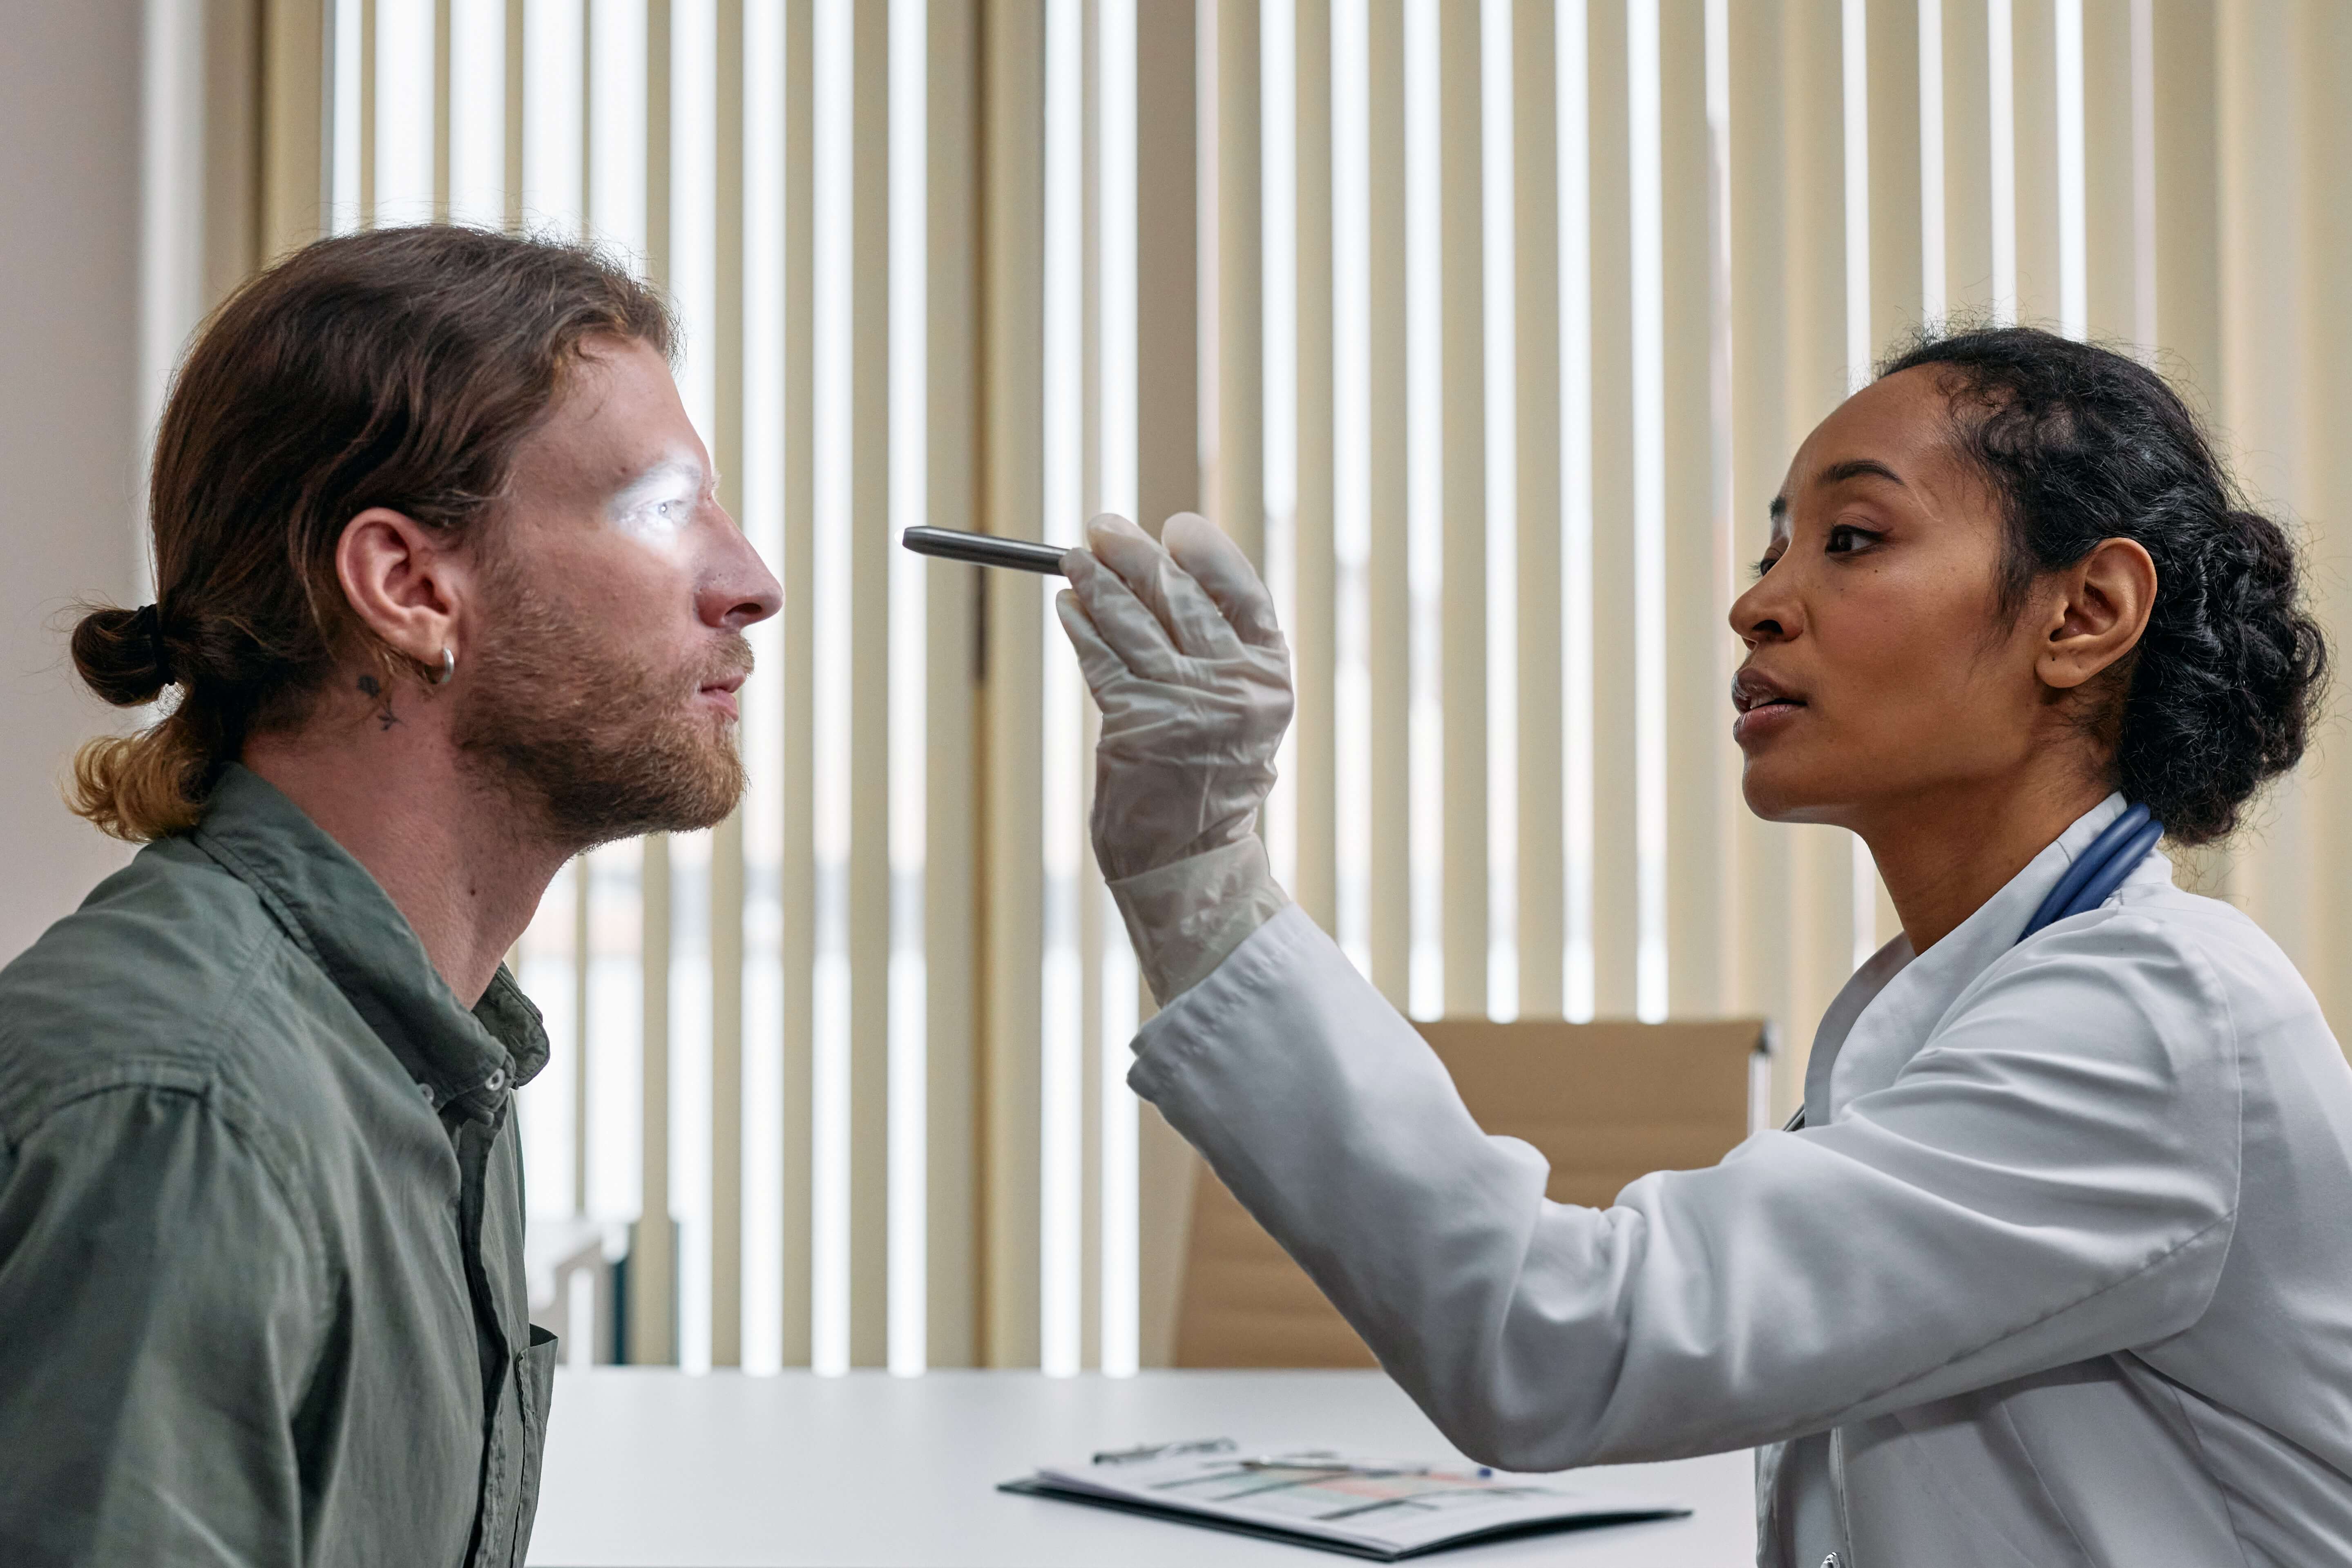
(2082, 444)
(120, 655)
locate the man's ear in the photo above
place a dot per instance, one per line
(2102, 611)
(402, 583)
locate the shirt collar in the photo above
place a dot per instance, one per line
(1902, 996)
(339, 914)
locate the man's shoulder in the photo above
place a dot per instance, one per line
(147, 983)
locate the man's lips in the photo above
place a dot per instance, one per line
(721, 693)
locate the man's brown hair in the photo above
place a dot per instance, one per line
(396, 368)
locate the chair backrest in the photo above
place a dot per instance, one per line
(1605, 1103)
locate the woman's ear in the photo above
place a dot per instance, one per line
(2103, 609)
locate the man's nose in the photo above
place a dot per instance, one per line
(738, 589)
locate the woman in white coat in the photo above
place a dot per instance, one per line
(2058, 1267)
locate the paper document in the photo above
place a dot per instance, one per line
(1380, 1509)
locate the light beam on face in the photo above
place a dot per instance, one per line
(657, 506)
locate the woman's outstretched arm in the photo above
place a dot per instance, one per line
(2052, 1177)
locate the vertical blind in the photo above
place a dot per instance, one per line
(1487, 329)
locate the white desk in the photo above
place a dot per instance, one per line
(649, 1468)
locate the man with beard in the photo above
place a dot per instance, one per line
(445, 596)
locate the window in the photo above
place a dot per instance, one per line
(1488, 328)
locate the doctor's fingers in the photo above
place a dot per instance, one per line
(1097, 660)
(1194, 623)
(1121, 622)
(1209, 555)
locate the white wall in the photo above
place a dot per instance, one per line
(69, 140)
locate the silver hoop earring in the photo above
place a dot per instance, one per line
(448, 666)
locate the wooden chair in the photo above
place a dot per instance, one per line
(1603, 1102)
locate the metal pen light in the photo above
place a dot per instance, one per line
(985, 549)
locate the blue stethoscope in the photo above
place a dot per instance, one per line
(2089, 882)
(2099, 871)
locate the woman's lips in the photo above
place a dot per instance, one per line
(1767, 718)
(1764, 707)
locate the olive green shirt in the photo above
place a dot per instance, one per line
(262, 1297)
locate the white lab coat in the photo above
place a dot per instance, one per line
(2059, 1271)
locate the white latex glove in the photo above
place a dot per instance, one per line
(1180, 648)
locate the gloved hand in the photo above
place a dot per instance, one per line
(1180, 648)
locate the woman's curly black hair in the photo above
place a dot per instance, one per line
(2082, 444)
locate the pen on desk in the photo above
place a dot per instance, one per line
(1353, 1468)
(985, 549)
(1165, 1450)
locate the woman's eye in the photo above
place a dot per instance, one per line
(1844, 539)
(1765, 565)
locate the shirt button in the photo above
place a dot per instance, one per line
(426, 1091)
(497, 1080)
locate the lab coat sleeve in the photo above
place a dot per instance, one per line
(2051, 1178)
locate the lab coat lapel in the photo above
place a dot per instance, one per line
(1876, 973)
(1878, 1022)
